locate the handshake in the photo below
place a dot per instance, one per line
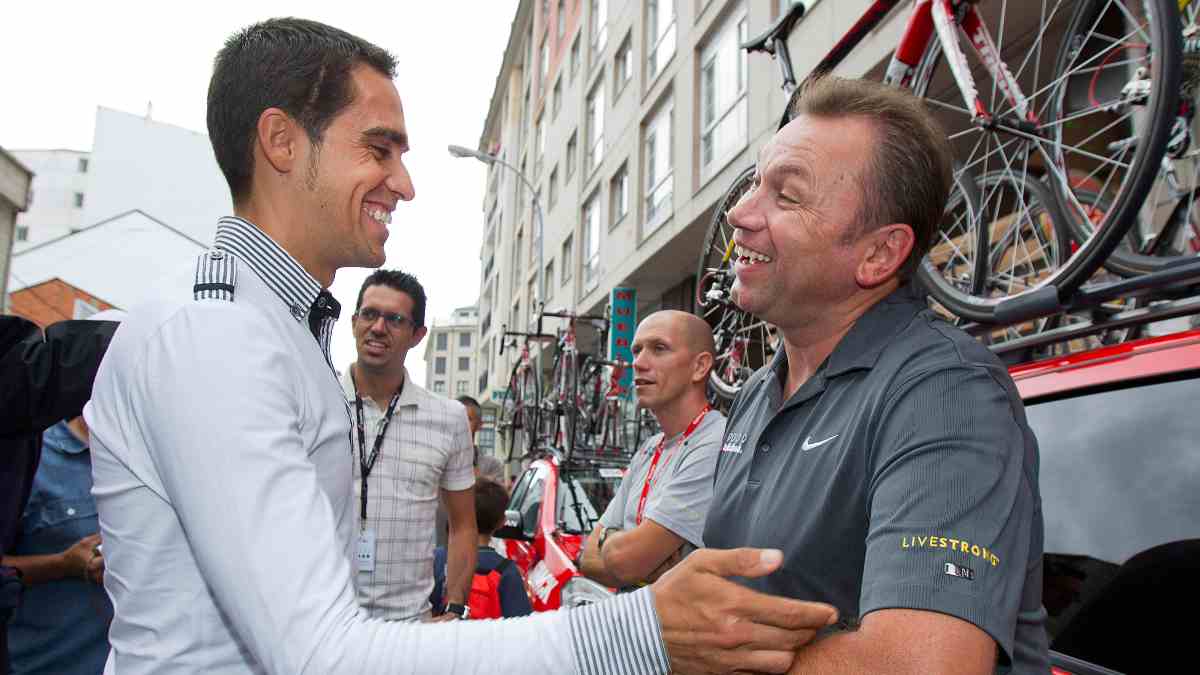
(713, 625)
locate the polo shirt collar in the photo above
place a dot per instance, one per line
(858, 350)
(276, 267)
(874, 330)
(411, 396)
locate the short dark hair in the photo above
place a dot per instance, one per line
(490, 501)
(301, 67)
(908, 179)
(469, 402)
(400, 281)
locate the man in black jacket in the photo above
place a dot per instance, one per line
(43, 380)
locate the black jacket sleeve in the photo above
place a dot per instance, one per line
(47, 379)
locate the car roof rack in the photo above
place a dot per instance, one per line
(1169, 293)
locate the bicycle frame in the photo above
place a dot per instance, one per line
(940, 17)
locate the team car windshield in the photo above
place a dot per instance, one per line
(582, 497)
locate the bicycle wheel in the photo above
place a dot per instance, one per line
(1167, 227)
(744, 343)
(1013, 213)
(1057, 130)
(531, 405)
(511, 412)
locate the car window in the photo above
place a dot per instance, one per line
(530, 501)
(576, 511)
(1119, 478)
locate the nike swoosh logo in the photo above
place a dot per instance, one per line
(809, 445)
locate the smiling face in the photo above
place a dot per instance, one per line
(381, 348)
(796, 249)
(356, 176)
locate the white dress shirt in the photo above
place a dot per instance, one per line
(222, 467)
(426, 448)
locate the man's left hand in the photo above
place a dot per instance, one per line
(444, 617)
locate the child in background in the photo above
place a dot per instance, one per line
(497, 589)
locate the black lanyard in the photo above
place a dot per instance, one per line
(365, 464)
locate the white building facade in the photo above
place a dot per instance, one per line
(451, 362)
(136, 163)
(631, 118)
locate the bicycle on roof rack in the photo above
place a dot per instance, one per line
(1058, 128)
(566, 405)
(521, 408)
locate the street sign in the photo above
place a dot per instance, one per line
(623, 301)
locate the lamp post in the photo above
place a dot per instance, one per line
(461, 152)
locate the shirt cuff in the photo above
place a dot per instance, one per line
(620, 635)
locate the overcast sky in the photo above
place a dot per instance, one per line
(58, 61)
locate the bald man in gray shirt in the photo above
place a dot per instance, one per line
(657, 515)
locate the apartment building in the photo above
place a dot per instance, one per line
(631, 118)
(451, 357)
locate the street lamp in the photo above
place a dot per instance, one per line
(462, 152)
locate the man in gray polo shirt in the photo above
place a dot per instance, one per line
(885, 451)
(657, 515)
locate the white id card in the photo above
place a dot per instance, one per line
(365, 555)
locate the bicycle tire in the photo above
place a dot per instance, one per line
(981, 303)
(509, 418)
(530, 392)
(1132, 255)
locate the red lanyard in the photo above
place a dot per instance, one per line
(641, 507)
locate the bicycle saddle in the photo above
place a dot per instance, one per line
(765, 42)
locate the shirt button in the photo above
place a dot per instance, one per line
(70, 512)
(298, 312)
(216, 255)
(765, 447)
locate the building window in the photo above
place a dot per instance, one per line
(22, 233)
(516, 314)
(595, 127)
(441, 342)
(439, 365)
(598, 26)
(562, 18)
(532, 299)
(439, 386)
(591, 241)
(659, 172)
(660, 35)
(567, 258)
(572, 154)
(464, 363)
(552, 188)
(549, 279)
(460, 387)
(464, 339)
(623, 66)
(574, 58)
(83, 164)
(557, 101)
(517, 257)
(619, 193)
(539, 139)
(79, 200)
(722, 95)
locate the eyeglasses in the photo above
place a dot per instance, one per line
(392, 320)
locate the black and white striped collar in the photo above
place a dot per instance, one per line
(275, 266)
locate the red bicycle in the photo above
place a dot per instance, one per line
(1044, 103)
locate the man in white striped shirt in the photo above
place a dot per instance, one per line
(411, 448)
(220, 433)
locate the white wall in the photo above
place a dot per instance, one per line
(166, 171)
(57, 179)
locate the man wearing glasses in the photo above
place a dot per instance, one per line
(410, 448)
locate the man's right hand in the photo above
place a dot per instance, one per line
(713, 625)
(77, 559)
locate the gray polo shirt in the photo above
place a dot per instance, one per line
(682, 487)
(902, 474)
